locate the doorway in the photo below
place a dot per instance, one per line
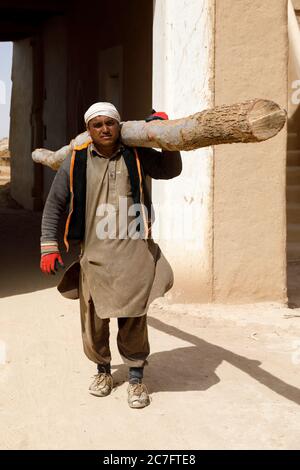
(293, 161)
(5, 99)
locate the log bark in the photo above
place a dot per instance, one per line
(251, 121)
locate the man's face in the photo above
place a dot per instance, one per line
(104, 131)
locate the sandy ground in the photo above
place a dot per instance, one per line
(220, 377)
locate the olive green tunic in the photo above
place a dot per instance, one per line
(121, 275)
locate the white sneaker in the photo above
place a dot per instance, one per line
(102, 385)
(138, 396)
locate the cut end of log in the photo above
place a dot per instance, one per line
(266, 119)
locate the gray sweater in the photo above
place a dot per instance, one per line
(156, 164)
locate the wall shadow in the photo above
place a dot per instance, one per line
(292, 197)
(293, 284)
(20, 253)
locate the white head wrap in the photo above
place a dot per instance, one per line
(101, 109)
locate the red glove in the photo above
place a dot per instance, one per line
(51, 262)
(157, 116)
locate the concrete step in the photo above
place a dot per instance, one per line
(293, 158)
(4, 178)
(293, 213)
(293, 194)
(5, 161)
(4, 170)
(293, 233)
(4, 175)
(293, 142)
(293, 251)
(293, 175)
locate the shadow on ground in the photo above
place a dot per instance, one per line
(194, 368)
(20, 249)
(170, 370)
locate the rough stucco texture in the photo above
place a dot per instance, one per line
(296, 4)
(249, 179)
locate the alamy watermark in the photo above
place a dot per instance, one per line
(123, 221)
(295, 97)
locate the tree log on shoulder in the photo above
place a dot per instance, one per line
(251, 121)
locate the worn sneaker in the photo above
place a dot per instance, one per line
(138, 396)
(102, 385)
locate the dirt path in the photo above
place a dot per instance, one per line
(220, 377)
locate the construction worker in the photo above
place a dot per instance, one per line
(120, 268)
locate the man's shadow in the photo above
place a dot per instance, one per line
(178, 370)
(193, 368)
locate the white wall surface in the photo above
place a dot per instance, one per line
(183, 57)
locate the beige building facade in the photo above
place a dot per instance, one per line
(236, 193)
(222, 223)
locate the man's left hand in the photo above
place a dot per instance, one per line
(157, 116)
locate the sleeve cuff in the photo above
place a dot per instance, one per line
(49, 247)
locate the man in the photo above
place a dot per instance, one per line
(121, 269)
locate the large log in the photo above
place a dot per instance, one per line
(252, 121)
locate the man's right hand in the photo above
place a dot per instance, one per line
(51, 262)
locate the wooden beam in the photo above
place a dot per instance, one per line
(251, 121)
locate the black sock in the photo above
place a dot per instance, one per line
(104, 368)
(136, 374)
